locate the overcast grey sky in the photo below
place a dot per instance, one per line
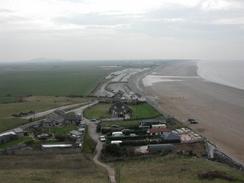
(121, 29)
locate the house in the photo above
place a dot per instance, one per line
(72, 118)
(120, 110)
(117, 96)
(7, 136)
(59, 118)
(55, 119)
(19, 132)
(157, 131)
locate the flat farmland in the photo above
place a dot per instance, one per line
(50, 79)
(35, 103)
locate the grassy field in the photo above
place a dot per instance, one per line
(63, 130)
(21, 140)
(144, 111)
(140, 111)
(98, 111)
(50, 168)
(171, 169)
(31, 103)
(50, 79)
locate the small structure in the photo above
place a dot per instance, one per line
(120, 110)
(51, 146)
(157, 131)
(43, 136)
(148, 123)
(117, 134)
(171, 137)
(19, 132)
(7, 136)
(75, 134)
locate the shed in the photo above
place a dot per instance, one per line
(171, 137)
(158, 131)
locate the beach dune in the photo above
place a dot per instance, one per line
(218, 108)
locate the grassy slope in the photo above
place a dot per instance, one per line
(50, 168)
(101, 110)
(32, 103)
(171, 169)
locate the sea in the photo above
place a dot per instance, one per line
(229, 73)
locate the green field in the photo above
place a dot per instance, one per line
(98, 111)
(51, 169)
(21, 140)
(62, 130)
(172, 169)
(144, 111)
(50, 79)
(31, 103)
(140, 111)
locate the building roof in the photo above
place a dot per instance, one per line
(7, 133)
(158, 130)
(170, 136)
(56, 145)
(120, 107)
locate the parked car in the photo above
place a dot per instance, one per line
(102, 138)
(192, 121)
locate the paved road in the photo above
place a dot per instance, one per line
(44, 113)
(95, 136)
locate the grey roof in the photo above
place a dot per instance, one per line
(120, 107)
(170, 136)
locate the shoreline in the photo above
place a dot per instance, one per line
(201, 73)
(217, 107)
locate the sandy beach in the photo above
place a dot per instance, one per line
(180, 92)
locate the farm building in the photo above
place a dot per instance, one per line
(120, 110)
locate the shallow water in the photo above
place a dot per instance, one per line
(229, 73)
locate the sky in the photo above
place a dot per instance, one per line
(121, 29)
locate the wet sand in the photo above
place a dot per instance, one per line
(219, 109)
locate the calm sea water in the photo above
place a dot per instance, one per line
(230, 73)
